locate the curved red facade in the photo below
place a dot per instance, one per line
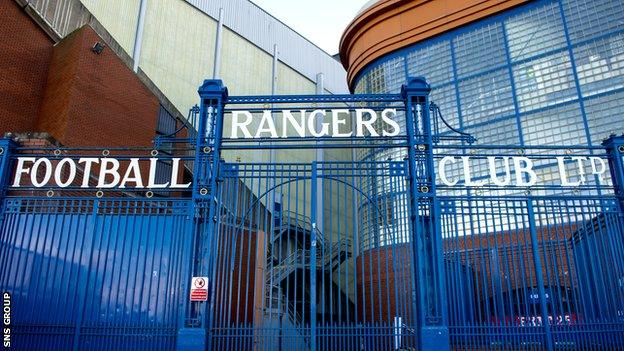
(389, 25)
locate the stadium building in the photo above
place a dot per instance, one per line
(197, 175)
(525, 73)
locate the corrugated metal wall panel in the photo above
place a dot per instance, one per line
(241, 16)
(119, 17)
(64, 16)
(177, 50)
(264, 30)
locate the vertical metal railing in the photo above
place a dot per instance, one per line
(313, 253)
(537, 262)
(7, 146)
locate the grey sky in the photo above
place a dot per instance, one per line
(320, 21)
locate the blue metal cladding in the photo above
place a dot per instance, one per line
(94, 274)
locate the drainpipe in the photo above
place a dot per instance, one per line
(138, 38)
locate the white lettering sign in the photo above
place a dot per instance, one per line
(518, 171)
(107, 173)
(334, 123)
(112, 173)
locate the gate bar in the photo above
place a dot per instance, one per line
(313, 215)
(539, 274)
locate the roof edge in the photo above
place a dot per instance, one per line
(390, 25)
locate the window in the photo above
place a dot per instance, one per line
(432, 62)
(486, 97)
(534, 32)
(545, 81)
(479, 50)
(600, 65)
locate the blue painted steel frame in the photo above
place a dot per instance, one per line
(430, 294)
(313, 252)
(537, 261)
(6, 146)
(213, 94)
(206, 168)
(76, 245)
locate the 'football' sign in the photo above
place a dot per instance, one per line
(101, 173)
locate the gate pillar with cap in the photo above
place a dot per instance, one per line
(194, 320)
(615, 151)
(430, 292)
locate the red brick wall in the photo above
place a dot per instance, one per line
(383, 279)
(243, 277)
(95, 100)
(66, 90)
(25, 53)
(384, 275)
(514, 253)
(235, 285)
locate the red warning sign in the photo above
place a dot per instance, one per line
(199, 289)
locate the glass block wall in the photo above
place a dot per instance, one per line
(561, 59)
(545, 73)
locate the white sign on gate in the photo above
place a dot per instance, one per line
(199, 289)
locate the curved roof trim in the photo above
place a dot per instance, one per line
(390, 25)
(366, 6)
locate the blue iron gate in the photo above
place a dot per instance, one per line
(418, 239)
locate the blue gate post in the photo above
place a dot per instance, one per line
(615, 152)
(6, 150)
(213, 95)
(430, 293)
